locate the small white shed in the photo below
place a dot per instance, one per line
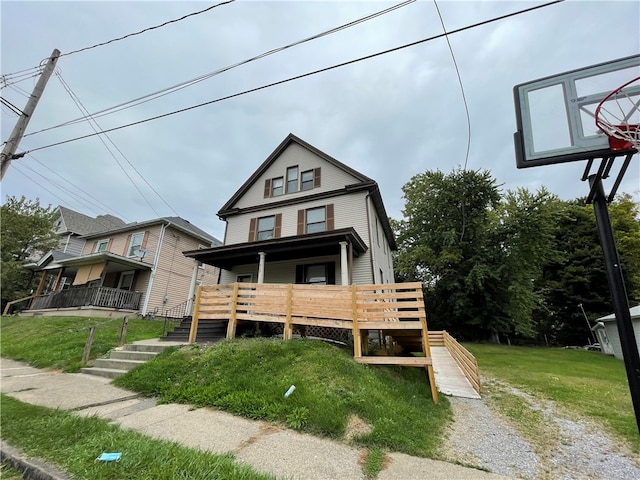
(607, 331)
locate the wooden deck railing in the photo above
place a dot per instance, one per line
(93, 296)
(358, 308)
(465, 360)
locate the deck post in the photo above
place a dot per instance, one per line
(288, 328)
(193, 331)
(427, 353)
(357, 341)
(231, 328)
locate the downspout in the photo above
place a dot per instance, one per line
(156, 259)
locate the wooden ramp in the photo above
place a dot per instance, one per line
(449, 376)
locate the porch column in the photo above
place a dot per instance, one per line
(344, 266)
(261, 267)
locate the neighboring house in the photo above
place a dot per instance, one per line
(606, 330)
(304, 217)
(71, 225)
(134, 266)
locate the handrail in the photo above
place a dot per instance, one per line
(465, 360)
(13, 302)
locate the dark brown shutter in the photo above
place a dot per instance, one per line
(329, 213)
(299, 273)
(267, 188)
(144, 240)
(316, 177)
(109, 244)
(300, 222)
(330, 271)
(126, 246)
(278, 226)
(252, 230)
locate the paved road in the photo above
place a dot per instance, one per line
(267, 448)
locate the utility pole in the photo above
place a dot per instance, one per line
(9, 150)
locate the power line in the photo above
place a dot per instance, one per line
(11, 106)
(466, 109)
(82, 109)
(308, 74)
(167, 91)
(88, 195)
(148, 29)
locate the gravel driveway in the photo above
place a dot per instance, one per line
(576, 448)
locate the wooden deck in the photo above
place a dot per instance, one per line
(395, 310)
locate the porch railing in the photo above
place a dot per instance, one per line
(90, 296)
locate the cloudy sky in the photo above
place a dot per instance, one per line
(389, 117)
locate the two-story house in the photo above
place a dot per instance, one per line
(304, 217)
(137, 267)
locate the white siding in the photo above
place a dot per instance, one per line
(349, 211)
(382, 258)
(614, 336)
(332, 178)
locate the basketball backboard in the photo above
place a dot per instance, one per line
(556, 115)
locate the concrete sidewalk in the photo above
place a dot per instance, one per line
(265, 447)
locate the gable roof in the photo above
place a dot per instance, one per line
(291, 138)
(81, 224)
(176, 222)
(363, 182)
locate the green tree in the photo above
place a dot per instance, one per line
(524, 231)
(26, 232)
(578, 275)
(443, 242)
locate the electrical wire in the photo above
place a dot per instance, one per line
(466, 109)
(12, 81)
(68, 88)
(17, 168)
(166, 91)
(11, 106)
(147, 29)
(304, 75)
(94, 200)
(80, 106)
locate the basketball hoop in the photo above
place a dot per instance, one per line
(617, 115)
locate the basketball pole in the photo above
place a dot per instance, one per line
(618, 292)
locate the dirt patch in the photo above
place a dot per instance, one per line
(265, 429)
(356, 427)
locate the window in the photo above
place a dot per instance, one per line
(136, 245)
(277, 187)
(307, 180)
(244, 278)
(316, 220)
(316, 274)
(126, 280)
(292, 179)
(102, 245)
(266, 226)
(377, 232)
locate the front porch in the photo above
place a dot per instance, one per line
(87, 301)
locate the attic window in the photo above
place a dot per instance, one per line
(292, 179)
(277, 187)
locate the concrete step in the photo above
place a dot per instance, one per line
(117, 364)
(142, 347)
(103, 372)
(132, 355)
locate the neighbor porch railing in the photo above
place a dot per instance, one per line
(89, 296)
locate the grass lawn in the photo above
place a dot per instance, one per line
(586, 383)
(58, 342)
(249, 377)
(72, 443)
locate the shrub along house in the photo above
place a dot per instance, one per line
(304, 217)
(134, 267)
